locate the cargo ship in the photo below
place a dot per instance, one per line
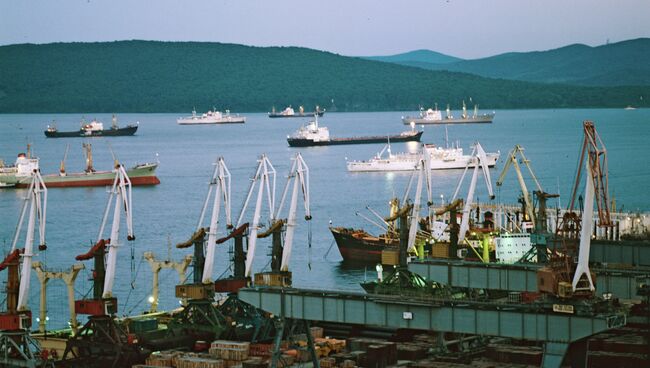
(19, 174)
(434, 116)
(92, 129)
(314, 135)
(289, 112)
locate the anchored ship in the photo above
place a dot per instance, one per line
(289, 112)
(434, 116)
(92, 129)
(211, 117)
(439, 159)
(314, 135)
(19, 175)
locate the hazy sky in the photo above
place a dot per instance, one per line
(463, 28)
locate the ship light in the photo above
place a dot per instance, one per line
(151, 299)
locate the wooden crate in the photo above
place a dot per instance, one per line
(191, 291)
(160, 359)
(316, 332)
(230, 350)
(440, 250)
(390, 257)
(280, 279)
(254, 363)
(197, 362)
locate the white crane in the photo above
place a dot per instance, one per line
(220, 185)
(265, 179)
(596, 188)
(299, 173)
(479, 160)
(36, 199)
(120, 199)
(423, 172)
(512, 160)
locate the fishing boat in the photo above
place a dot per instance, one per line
(289, 112)
(312, 134)
(440, 158)
(19, 175)
(434, 116)
(211, 117)
(92, 129)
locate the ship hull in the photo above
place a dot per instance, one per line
(409, 165)
(360, 250)
(139, 175)
(487, 118)
(302, 142)
(279, 115)
(129, 130)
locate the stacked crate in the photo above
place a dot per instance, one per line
(188, 361)
(161, 359)
(233, 353)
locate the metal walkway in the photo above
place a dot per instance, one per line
(516, 321)
(622, 283)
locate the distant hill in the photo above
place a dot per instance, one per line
(616, 64)
(146, 76)
(416, 57)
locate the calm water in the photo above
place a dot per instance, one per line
(167, 213)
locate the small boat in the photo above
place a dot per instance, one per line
(289, 112)
(19, 175)
(311, 134)
(211, 117)
(92, 129)
(434, 116)
(630, 107)
(439, 158)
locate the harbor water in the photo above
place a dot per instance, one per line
(167, 214)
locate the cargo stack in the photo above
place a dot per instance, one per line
(233, 353)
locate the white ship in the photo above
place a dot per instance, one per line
(440, 159)
(434, 116)
(211, 117)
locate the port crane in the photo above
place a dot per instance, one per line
(264, 179)
(479, 160)
(101, 341)
(280, 253)
(538, 220)
(564, 277)
(17, 348)
(200, 319)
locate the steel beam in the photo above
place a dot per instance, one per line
(622, 283)
(504, 320)
(630, 252)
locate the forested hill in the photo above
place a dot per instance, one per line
(614, 64)
(144, 76)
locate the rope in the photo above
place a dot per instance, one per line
(126, 302)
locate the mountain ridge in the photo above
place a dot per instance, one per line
(155, 76)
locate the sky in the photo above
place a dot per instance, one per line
(463, 28)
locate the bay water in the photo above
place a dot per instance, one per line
(167, 213)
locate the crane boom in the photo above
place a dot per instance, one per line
(220, 185)
(512, 161)
(37, 198)
(479, 160)
(120, 195)
(265, 179)
(300, 174)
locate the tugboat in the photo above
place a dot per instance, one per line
(313, 135)
(92, 129)
(434, 116)
(289, 112)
